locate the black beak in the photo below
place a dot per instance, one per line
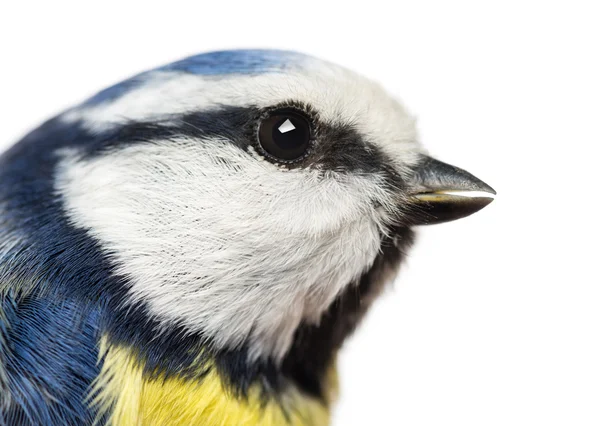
(442, 193)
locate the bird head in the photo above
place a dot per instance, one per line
(237, 195)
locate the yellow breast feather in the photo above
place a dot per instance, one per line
(130, 398)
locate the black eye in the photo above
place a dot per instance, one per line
(285, 135)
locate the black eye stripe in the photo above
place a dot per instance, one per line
(285, 135)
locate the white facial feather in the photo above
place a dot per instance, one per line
(234, 252)
(241, 250)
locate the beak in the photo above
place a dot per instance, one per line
(442, 193)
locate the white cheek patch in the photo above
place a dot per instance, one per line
(235, 249)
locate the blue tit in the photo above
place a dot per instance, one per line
(193, 245)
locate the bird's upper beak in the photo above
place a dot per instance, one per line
(441, 193)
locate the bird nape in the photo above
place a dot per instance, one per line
(194, 245)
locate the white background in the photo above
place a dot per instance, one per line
(495, 319)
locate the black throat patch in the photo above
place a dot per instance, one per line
(315, 347)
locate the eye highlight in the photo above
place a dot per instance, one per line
(285, 135)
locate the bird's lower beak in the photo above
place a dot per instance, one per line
(442, 193)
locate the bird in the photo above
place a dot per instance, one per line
(193, 245)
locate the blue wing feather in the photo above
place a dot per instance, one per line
(49, 359)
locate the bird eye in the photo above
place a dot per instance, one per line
(285, 135)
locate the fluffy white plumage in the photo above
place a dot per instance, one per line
(241, 250)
